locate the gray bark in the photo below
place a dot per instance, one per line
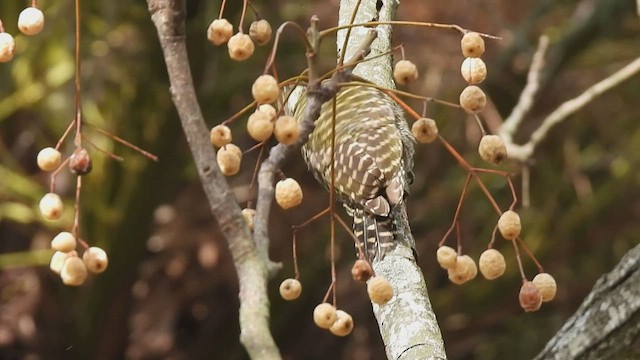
(607, 324)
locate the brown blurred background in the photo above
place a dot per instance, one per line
(170, 291)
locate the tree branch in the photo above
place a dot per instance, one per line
(169, 18)
(608, 321)
(407, 323)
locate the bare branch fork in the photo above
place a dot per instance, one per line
(169, 18)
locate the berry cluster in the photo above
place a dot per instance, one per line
(492, 264)
(240, 45)
(66, 261)
(30, 22)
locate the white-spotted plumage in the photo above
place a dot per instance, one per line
(373, 154)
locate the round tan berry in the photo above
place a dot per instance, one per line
(49, 159)
(228, 160)
(31, 21)
(260, 31)
(464, 270)
(473, 70)
(530, 298)
(64, 242)
(286, 130)
(265, 89)
(425, 130)
(219, 31)
(80, 162)
(343, 324)
(248, 215)
(240, 47)
(234, 149)
(379, 289)
(509, 225)
(290, 289)
(361, 270)
(51, 206)
(269, 110)
(446, 257)
(546, 284)
(259, 127)
(405, 72)
(492, 149)
(7, 47)
(95, 259)
(220, 135)
(472, 45)
(73, 272)
(324, 315)
(58, 259)
(472, 99)
(288, 193)
(492, 264)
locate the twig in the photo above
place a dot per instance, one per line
(169, 18)
(524, 152)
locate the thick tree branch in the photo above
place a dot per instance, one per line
(169, 19)
(407, 323)
(607, 324)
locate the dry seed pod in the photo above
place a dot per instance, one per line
(405, 72)
(73, 272)
(361, 270)
(58, 259)
(286, 130)
(472, 99)
(473, 70)
(546, 284)
(269, 110)
(248, 215)
(51, 206)
(530, 298)
(95, 259)
(509, 225)
(379, 289)
(49, 159)
(343, 324)
(425, 130)
(492, 264)
(472, 45)
(464, 270)
(7, 47)
(259, 127)
(260, 31)
(240, 47)
(228, 160)
(492, 149)
(290, 289)
(64, 242)
(324, 315)
(288, 193)
(234, 149)
(219, 31)
(446, 257)
(265, 89)
(31, 21)
(220, 135)
(80, 162)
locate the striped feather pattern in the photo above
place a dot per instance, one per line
(370, 173)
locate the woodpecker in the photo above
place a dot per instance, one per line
(372, 162)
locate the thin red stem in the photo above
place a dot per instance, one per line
(76, 208)
(224, 2)
(295, 254)
(52, 178)
(66, 132)
(457, 213)
(519, 260)
(244, 11)
(530, 253)
(125, 143)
